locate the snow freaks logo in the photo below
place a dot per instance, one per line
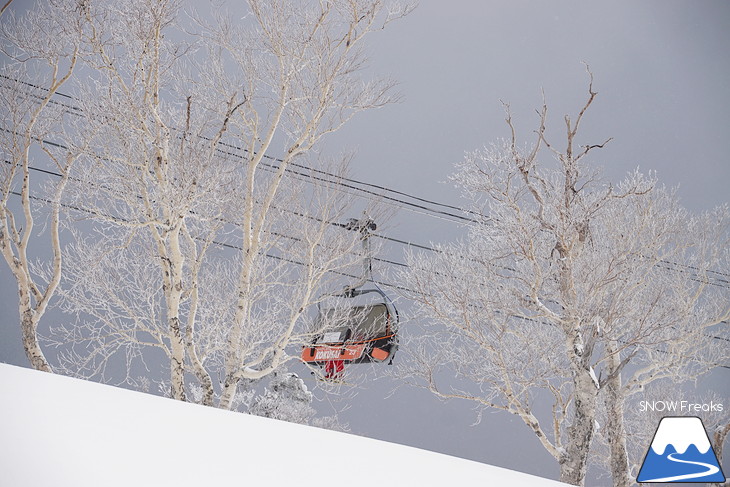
(679, 407)
(680, 452)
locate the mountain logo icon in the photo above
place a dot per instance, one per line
(680, 452)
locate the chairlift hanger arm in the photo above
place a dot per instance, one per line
(365, 226)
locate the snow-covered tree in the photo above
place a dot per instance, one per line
(568, 291)
(205, 238)
(286, 398)
(40, 53)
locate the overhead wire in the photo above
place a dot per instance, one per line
(345, 225)
(338, 180)
(348, 188)
(384, 237)
(719, 282)
(223, 244)
(376, 282)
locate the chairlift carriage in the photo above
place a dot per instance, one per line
(354, 333)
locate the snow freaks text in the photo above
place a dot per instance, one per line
(679, 406)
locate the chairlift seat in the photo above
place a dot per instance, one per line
(358, 334)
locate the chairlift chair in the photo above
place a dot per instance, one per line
(359, 334)
(355, 334)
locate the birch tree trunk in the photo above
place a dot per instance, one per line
(574, 463)
(45, 49)
(615, 429)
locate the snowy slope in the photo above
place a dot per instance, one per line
(65, 432)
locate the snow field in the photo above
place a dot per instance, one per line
(59, 431)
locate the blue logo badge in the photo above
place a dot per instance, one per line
(680, 452)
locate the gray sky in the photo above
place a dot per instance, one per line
(660, 69)
(662, 73)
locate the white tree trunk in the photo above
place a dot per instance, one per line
(29, 326)
(615, 429)
(574, 462)
(173, 288)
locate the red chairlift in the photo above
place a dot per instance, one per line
(354, 334)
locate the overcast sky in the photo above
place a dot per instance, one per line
(662, 73)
